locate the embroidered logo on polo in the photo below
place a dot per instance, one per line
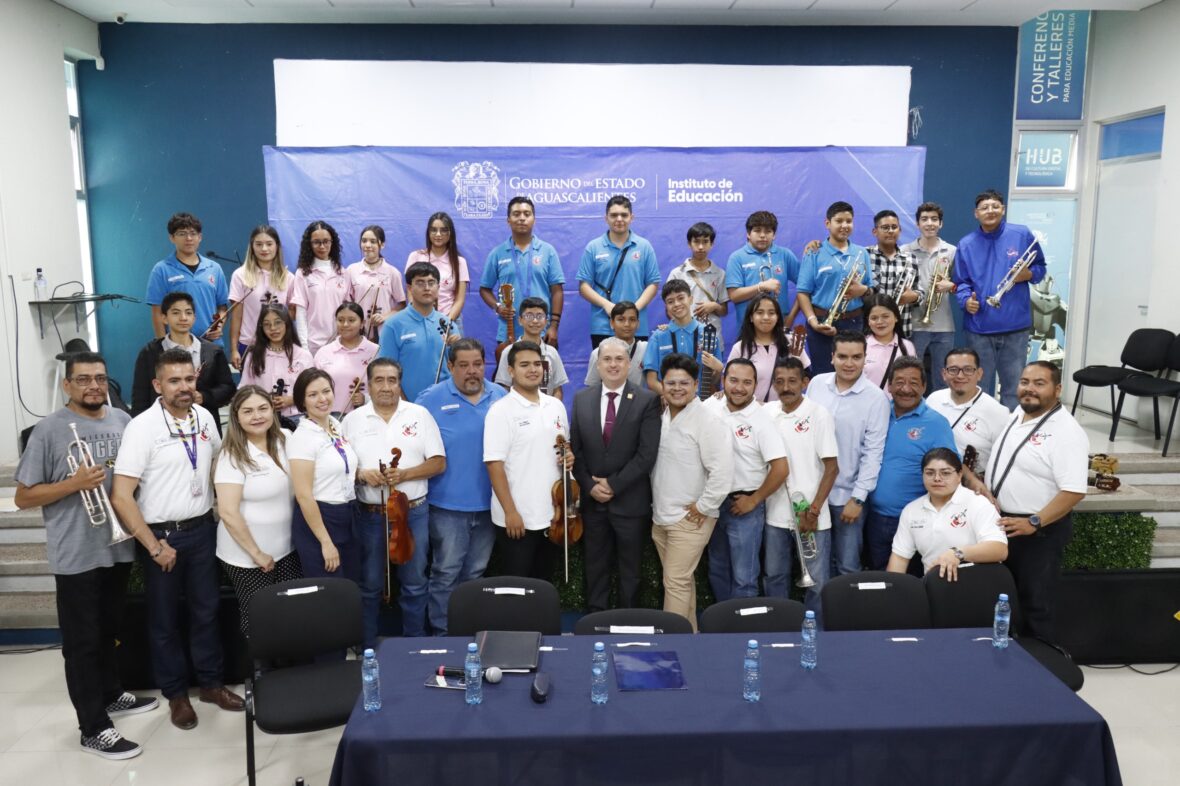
(212, 280)
(959, 520)
(778, 270)
(916, 432)
(971, 424)
(1039, 438)
(410, 429)
(1012, 252)
(205, 433)
(743, 431)
(557, 424)
(803, 426)
(635, 255)
(537, 261)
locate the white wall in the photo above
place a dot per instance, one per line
(1135, 66)
(38, 216)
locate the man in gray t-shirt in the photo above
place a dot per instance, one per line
(89, 572)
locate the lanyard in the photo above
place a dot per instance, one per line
(190, 450)
(968, 409)
(338, 443)
(1023, 442)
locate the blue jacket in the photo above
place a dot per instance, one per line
(982, 261)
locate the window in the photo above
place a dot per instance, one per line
(87, 265)
(1137, 136)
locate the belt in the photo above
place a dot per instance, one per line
(414, 503)
(742, 493)
(167, 527)
(822, 313)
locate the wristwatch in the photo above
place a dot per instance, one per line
(857, 500)
(1035, 520)
(958, 554)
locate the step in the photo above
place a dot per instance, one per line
(1132, 463)
(28, 610)
(1132, 499)
(1150, 479)
(1166, 544)
(23, 559)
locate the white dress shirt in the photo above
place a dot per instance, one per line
(694, 464)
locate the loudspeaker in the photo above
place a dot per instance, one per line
(1120, 616)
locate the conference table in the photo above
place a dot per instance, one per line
(884, 707)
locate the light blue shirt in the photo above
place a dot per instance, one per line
(416, 342)
(861, 415)
(671, 338)
(206, 285)
(638, 271)
(538, 266)
(464, 485)
(908, 440)
(824, 270)
(743, 268)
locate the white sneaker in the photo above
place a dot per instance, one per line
(109, 744)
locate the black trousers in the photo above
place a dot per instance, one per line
(606, 537)
(1035, 562)
(90, 613)
(531, 556)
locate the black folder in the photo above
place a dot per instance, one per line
(511, 650)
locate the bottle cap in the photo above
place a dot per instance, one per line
(752, 643)
(809, 615)
(599, 646)
(369, 652)
(472, 647)
(1003, 596)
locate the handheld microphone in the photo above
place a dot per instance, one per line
(491, 674)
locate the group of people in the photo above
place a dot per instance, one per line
(814, 448)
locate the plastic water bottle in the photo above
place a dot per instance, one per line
(41, 286)
(751, 678)
(599, 692)
(1002, 623)
(371, 680)
(473, 675)
(809, 655)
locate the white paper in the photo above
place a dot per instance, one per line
(782, 645)
(509, 590)
(429, 652)
(871, 585)
(904, 638)
(631, 644)
(639, 630)
(754, 610)
(301, 590)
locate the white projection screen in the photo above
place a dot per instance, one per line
(331, 103)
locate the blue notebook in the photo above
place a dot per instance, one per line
(648, 671)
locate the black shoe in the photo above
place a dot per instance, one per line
(130, 704)
(109, 744)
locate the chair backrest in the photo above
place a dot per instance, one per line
(1173, 357)
(875, 600)
(1147, 349)
(600, 622)
(504, 603)
(970, 600)
(753, 615)
(303, 618)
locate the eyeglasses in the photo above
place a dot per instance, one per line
(534, 317)
(186, 234)
(439, 231)
(322, 242)
(939, 473)
(424, 282)
(85, 382)
(954, 371)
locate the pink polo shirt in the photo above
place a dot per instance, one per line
(344, 366)
(877, 358)
(381, 287)
(321, 292)
(253, 299)
(447, 284)
(276, 367)
(764, 359)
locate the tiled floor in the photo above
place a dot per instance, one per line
(1129, 438)
(39, 738)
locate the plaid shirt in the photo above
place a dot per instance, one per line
(887, 278)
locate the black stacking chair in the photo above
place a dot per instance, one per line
(657, 621)
(753, 615)
(875, 600)
(290, 624)
(504, 603)
(1156, 387)
(970, 602)
(1145, 353)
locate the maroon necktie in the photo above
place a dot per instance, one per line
(609, 424)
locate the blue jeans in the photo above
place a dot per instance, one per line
(939, 345)
(820, 347)
(879, 532)
(1003, 355)
(195, 576)
(411, 577)
(460, 545)
(780, 560)
(847, 540)
(733, 552)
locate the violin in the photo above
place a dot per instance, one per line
(356, 387)
(797, 337)
(397, 517)
(566, 526)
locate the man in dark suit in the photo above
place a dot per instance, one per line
(615, 436)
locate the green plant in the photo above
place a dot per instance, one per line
(1110, 541)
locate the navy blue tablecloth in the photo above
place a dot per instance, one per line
(941, 710)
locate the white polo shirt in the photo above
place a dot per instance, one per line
(966, 519)
(335, 475)
(153, 450)
(1055, 459)
(756, 441)
(694, 464)
(979, 421)
(523, 435)
(266, 505)
(411, 429)
(809, 436)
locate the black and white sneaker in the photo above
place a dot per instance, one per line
(109, 744)
(130, 704)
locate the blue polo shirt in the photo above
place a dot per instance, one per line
(538, 266)
(982, 261)
(743, 267)
(465, 485)
(638, 271)
(674, 338)
(206, 285)
(416, 342)
(907, 441)
(824, 270)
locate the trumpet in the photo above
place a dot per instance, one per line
(840, 302)
(904, 283)
(765, 273)
(942, 270)
(1009, 279)
(97, 503)
(805, 579)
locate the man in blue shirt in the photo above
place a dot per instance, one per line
(620, 265)
(461, 530)
(683, 335)
(185, 270)
(414, 336)
(530, 265)
(762, 266)
(998, 333)
(914, 429)
(820, 277)
(861, 413)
